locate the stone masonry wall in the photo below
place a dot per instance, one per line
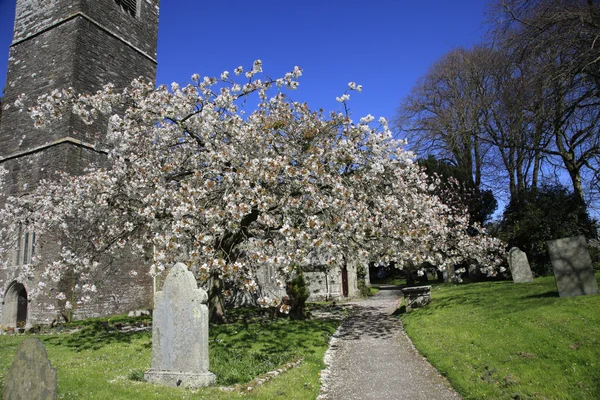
(82, 44)
(26, 171)
(33, 16)
(36, 67)
(58, 46)
(141, 32)
(119, 290)
(327, 284)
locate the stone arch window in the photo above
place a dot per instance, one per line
(129, 6)
(25, 248)
(15, 306)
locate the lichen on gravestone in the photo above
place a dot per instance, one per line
(31, 375)
(572, 266)
(519, 266)
(180, 333)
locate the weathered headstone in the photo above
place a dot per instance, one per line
(415, 297)
(180, 333)
(449, 274)
(31, 375)
(519, 266)
(572, 267)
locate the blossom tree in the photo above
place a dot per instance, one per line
(194, 178)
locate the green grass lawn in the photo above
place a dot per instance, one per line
(98, 364)
(502, 340)
(391, 280)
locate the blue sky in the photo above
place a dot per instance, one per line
(384, 45)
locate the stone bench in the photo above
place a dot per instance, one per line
(415, 297)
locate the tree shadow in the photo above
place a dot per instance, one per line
(399, 311)
(369, 322)
(552, 293)
(92, 338)
(240, 353)
(273, 336)
(387, 287)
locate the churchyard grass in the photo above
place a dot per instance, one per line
(503, 340)
(95, 363)
(389, 281)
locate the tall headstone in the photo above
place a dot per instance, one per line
(519, 266)
(572, 267)
(180, 333)
(31, 375)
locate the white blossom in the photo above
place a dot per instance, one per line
(232, 192)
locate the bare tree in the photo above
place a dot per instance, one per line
(441, 116)
(559, 39)
(474, 107)
(520, 107)
(511, 120)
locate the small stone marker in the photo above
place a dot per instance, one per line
(449, 274)
(180, 333)
(519, 266)
(572, 267)
(31, 375)
(415, 297)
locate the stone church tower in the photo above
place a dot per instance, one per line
(82, 44)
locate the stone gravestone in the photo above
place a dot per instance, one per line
(572, 267)
(415, 297)
(31, 375)
(519, 266)
(180, 333)
(449, 274)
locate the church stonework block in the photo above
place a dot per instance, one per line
(83, 45)
(180, 333)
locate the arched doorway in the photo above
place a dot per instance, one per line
(14, 306)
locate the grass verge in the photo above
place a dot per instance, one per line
(96, 363)
(503, 340)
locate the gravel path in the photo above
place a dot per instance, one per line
(372, 358)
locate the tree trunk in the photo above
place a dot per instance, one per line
(570, 163)
(577, 185)
(216, 301)
(226, 243)
(536, 170)
(440, 275)
(478, 161)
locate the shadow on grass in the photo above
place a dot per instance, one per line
(543, 295)
(272, 336)
(387, 287)
(240, 352)
(399, 311)
(493, 296)
(250, 331)
(95, 339)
